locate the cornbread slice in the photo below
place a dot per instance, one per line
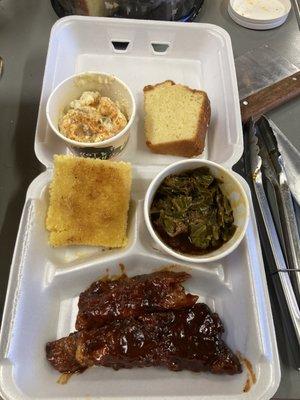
(89, 201)
(176, 119)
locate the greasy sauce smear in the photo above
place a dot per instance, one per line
(109, 278)
(251, 377)
(64, 378)
(173, 267)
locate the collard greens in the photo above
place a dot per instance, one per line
(191, 207)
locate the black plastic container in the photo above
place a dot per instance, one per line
(169, 10)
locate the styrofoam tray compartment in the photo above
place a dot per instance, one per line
(46, 306)
(198, 55)
(44, 283)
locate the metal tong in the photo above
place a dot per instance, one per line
(264, 170)
(1, 66)
(297, 10)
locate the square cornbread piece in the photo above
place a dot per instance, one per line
(89, 201)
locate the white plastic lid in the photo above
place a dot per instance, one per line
(259, 14)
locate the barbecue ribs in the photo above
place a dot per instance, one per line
(105, 301)
(179, 339)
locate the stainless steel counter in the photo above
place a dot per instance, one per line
(24, 34)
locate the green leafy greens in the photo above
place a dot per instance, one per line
(190, 212)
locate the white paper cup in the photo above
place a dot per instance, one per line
(109, 86)
(230, 187)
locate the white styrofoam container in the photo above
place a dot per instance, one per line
(44, 283)
(199, 55)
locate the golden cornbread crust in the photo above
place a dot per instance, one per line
(89, 201)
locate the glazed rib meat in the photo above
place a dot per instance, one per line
(62, 354)
(179, 339)
(106, 301)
